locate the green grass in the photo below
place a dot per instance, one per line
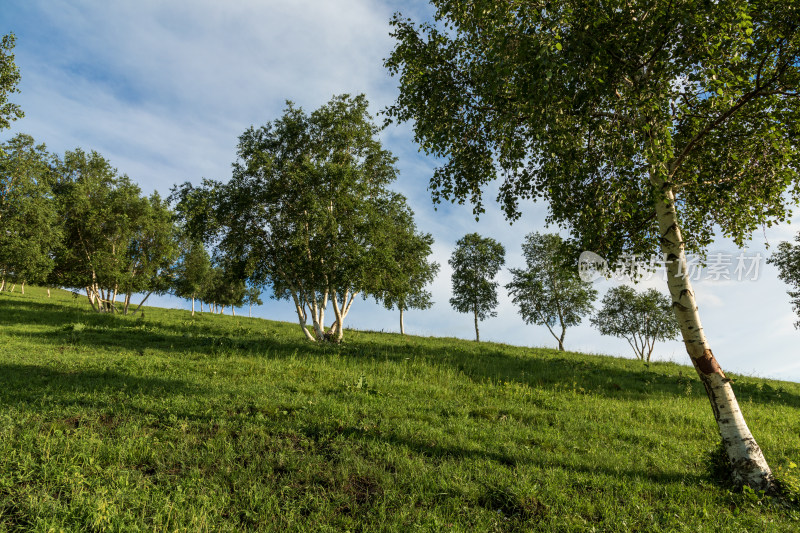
(215, 423)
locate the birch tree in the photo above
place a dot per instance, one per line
(153, 249)
(305, 211)
(9, 78)
(29, 229)
(475, 262)
(639, 318)
(192, 271)
(549, 292)
(406, 271)
(100, 212)
(787, 260)
(646, 126)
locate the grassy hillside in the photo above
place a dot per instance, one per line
(213, 423)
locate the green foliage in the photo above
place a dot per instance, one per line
(115, 239)
(787, 260)
(9, 78)
(307, 210)
(192, 271)
(549, 291)
(405, 270)
(601, 108)
(639, 318)
(475, 262)
(218, 423)
(29, 227)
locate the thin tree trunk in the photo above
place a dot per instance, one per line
(142, 302)
(2, 284)
(14, 286)
(48, 293)
(23, 287)
(746, 459)
(301, 315)
(192, 304)
(477, 333)
(561, 339)
(233, 311)
(127, 303)
(92, 298)
(402, 329)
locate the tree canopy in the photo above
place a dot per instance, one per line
(29, 227)
(549, 291)
(641, 318)
(9, 78)
(476, 261)
(307, 210)
(787, 259)
(645, 125)
(406, 270)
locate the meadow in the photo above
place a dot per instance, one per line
(167, 422)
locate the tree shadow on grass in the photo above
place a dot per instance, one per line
(22, 383)
(545, 369)
(439, 453)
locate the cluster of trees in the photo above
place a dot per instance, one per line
(308, 213)
(73, 221)
(549, 292)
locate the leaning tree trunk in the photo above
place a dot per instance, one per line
(747, 462)
(477, 333)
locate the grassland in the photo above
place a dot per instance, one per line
(216, 423)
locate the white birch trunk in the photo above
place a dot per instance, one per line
(2, 284)
(402, 329)
(301, 315)
(48, 293)
(192, 304)
(747, 461)
(22, 287)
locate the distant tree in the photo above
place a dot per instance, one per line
(475, 262)
(9, 78)
(787, 259)
(549, 291)
(406, 271)
(647, 127)
(29, 228)
(305, 211)
(153, 250)
(639, 318)
(192, 271)
(223, 289)
(252, 296)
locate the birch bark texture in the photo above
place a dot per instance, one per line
(647, 127)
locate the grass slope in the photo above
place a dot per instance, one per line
(215, 423)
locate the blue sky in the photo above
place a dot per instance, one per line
(164, 88)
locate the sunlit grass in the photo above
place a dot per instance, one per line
(219, 423)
